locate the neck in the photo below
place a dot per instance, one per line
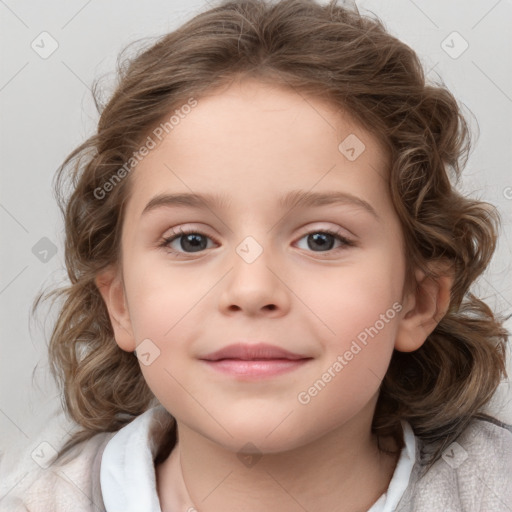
(342, 471)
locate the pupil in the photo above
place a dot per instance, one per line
(195, 242)
(320, 240)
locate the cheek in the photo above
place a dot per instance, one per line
(355, 298)
(165, 306)
(162, 300)
(359, 312)
(355, 359)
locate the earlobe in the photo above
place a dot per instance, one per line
(424, 307)
(110, 286)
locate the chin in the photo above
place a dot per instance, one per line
(259, 436)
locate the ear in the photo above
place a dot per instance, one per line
(424, 307)
(110, 285)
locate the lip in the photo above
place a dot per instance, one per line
(254, 361)
(248, 352)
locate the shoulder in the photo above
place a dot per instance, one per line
(488, 439)
(69, 483)
(474, 473)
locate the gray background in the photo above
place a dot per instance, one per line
(47, 110)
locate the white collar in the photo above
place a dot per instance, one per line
(401, 476)
(127, 474)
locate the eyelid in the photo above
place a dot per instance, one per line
(181, 231)
(337, 232)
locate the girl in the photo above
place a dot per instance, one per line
(269, 305)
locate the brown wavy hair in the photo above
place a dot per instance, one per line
(327, 51)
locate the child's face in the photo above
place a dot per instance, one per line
(311, 295)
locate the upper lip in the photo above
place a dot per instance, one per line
(249, 352)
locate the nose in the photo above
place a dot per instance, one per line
(255, 287)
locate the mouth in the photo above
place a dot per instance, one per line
(254, 361)
(252, 352)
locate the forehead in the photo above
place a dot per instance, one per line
(254, 140)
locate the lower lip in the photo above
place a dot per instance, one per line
(256, 368)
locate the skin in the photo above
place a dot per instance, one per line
(254, 143)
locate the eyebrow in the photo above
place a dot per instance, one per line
(293, 199)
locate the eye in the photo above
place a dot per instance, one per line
(186, 241)
(324, 240)
(189, 241)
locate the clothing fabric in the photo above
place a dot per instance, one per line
(115, 472)
(128, 480)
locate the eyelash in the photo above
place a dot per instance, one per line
(183, 232)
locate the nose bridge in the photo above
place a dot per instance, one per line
(253, 283)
